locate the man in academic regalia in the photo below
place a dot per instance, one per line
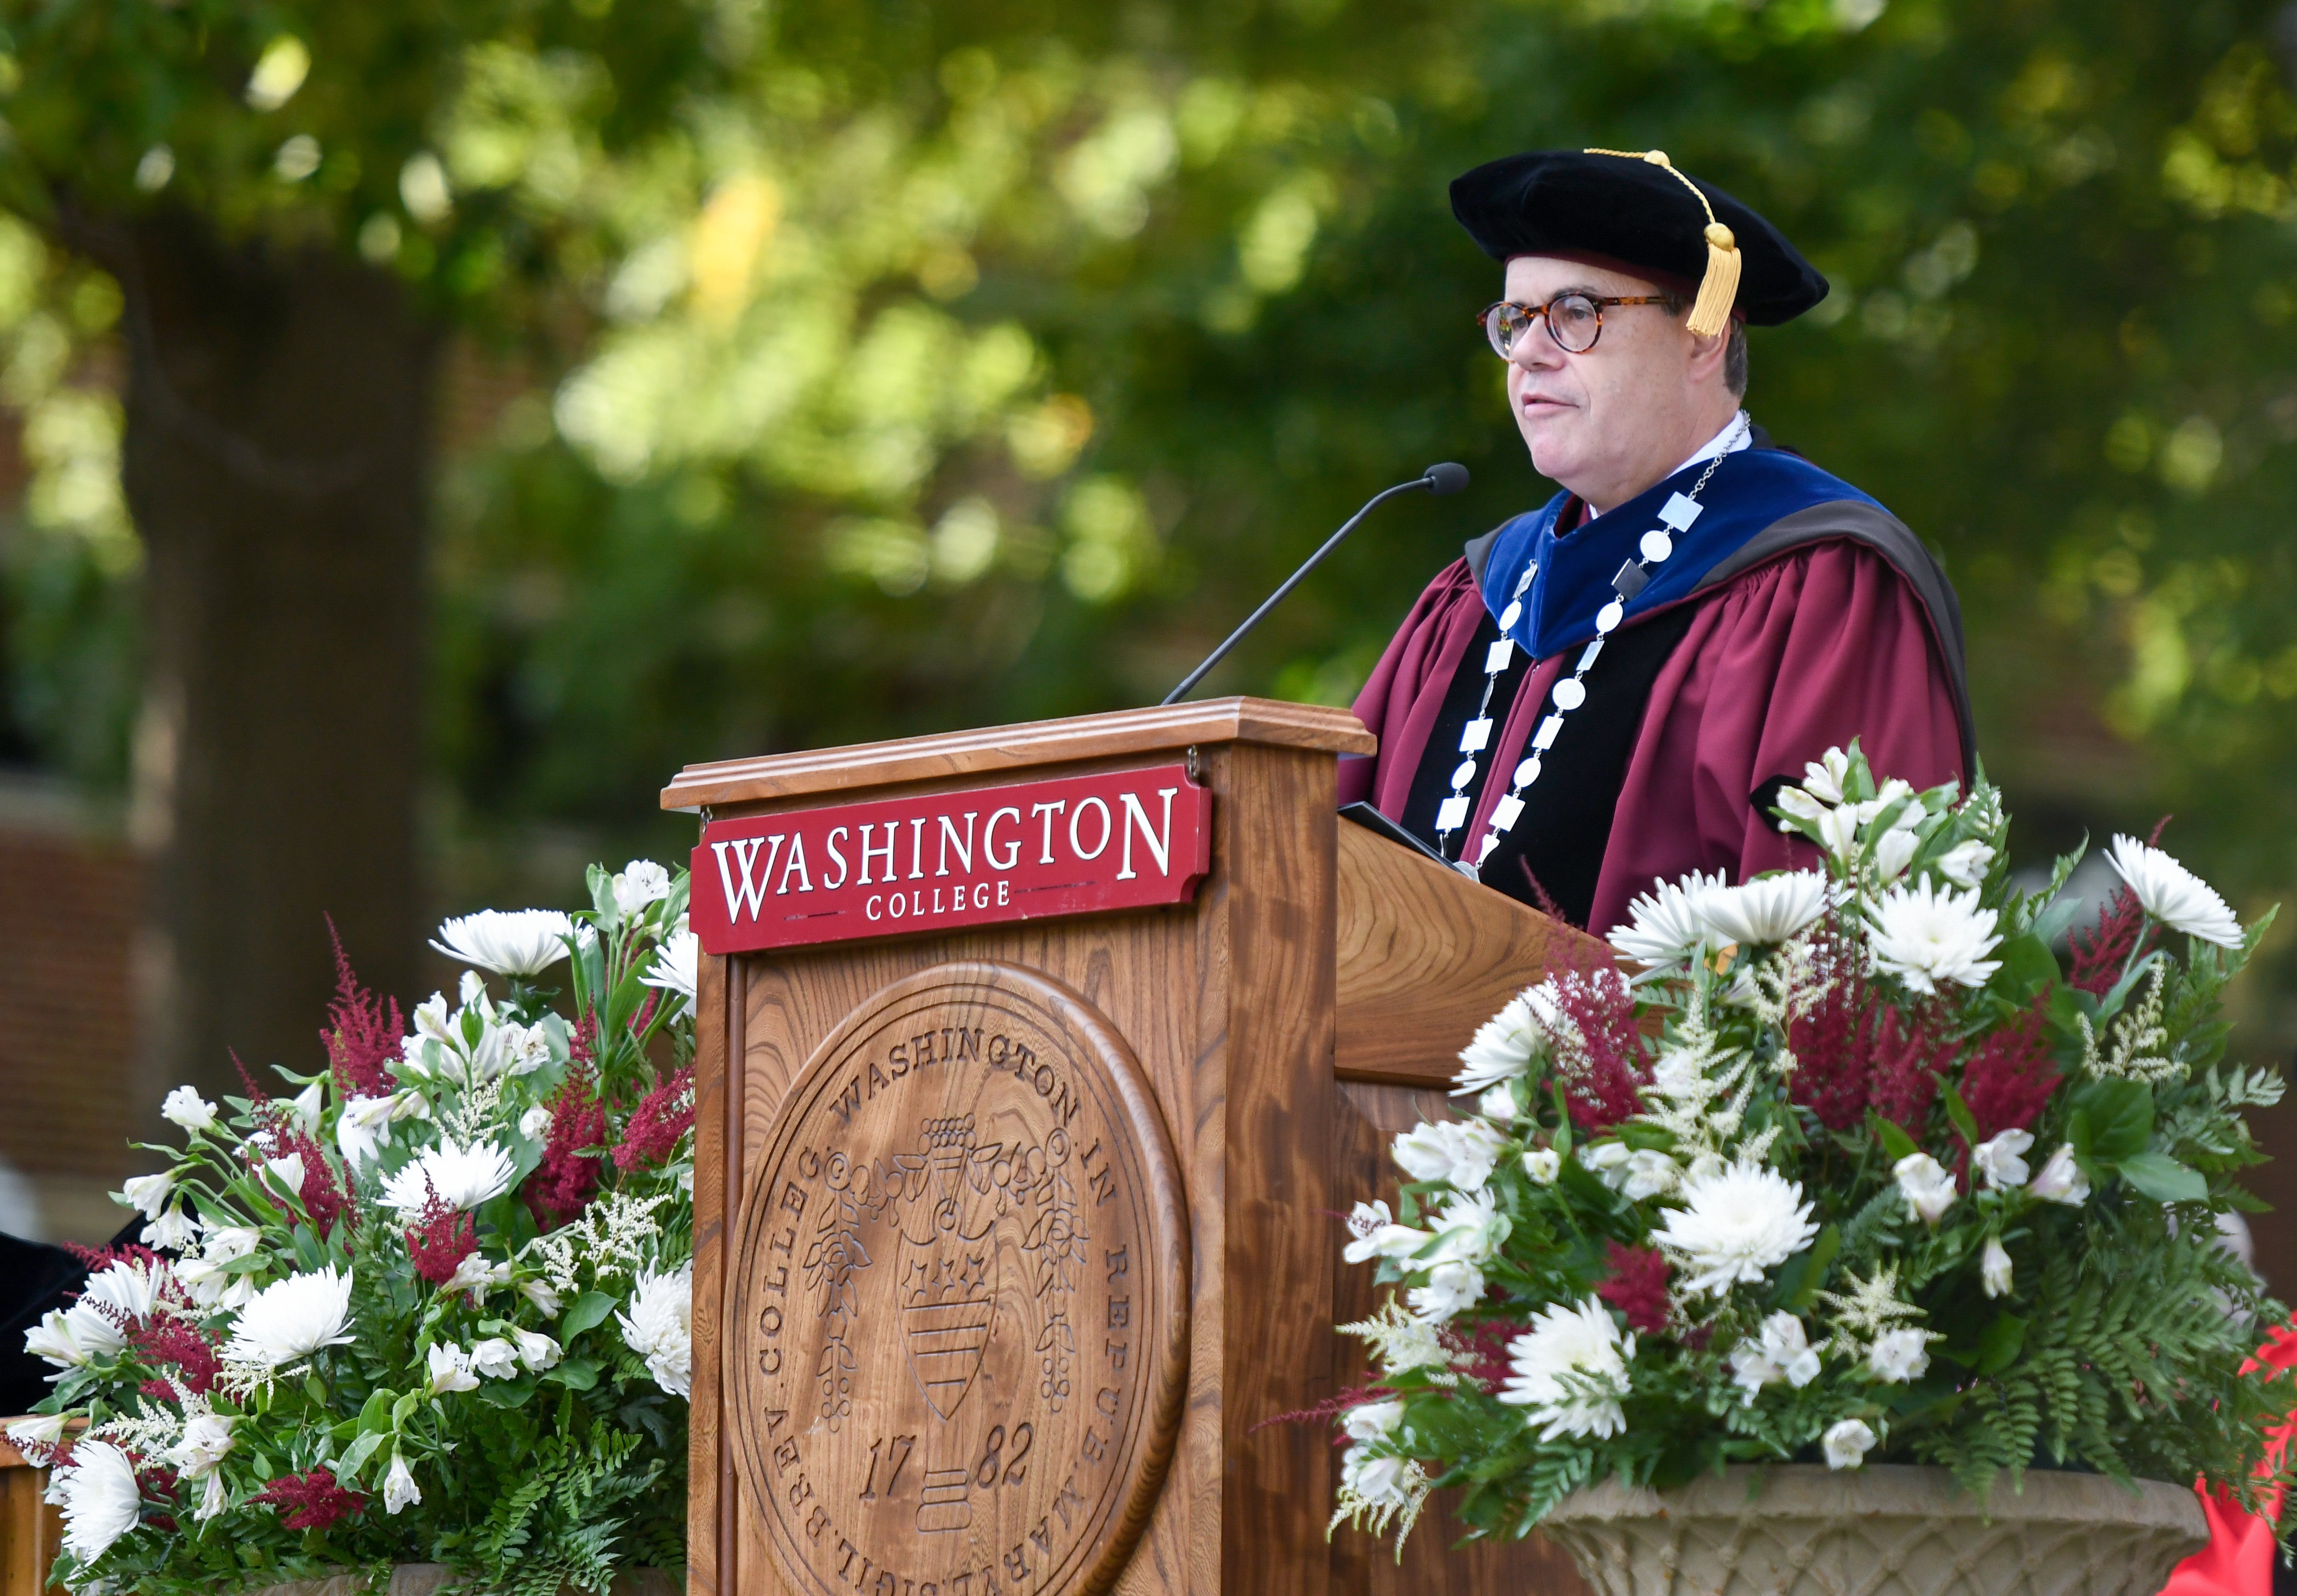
(1611, 688)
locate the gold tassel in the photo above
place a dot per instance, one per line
(1718, 289)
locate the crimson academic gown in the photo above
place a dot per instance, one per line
(1795, 614)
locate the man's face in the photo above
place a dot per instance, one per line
(1609, 422)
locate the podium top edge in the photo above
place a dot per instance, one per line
(1002, 748)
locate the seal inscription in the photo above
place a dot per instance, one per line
(959, 1324)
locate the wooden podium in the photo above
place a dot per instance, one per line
(1014, 1234)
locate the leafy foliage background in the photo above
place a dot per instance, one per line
(835, 370)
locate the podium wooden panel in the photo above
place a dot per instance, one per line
(1307, 1004)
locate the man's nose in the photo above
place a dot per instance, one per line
(1534, 348)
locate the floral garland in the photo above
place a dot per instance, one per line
(434, 1306)
(1894, 1183)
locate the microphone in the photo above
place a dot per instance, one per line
(1437, 480)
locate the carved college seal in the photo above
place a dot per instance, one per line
(959, 1323)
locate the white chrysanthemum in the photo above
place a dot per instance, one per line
(1769, 908)
(126, 1292)
(675, 965)
(2173, 895)
(98, 1493)
(639, 882)
(1669, 924)
(660, 1326)
(1505, 1044)
(1570, 1370)
(1927, 936)
(461, 1177)
(184, 1107)
(1736, 1222)
(293, 1319)
(524, 941)
(1460, 1152)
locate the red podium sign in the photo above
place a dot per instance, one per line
(1072, 845)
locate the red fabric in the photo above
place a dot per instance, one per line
(2238, 1560)
(1799, 655)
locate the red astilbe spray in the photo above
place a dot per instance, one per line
(563, 1183)
(364, 1032)
(1830, 1037)
(1485, 1345)
(2113, 941)
(1599, 1052)
(1637, 1286)
(318, 1501)
(177, 1342)
(439, 1239)
(323, 1199)
(662, 1116)
(1909, 1055)
(2011, 1074)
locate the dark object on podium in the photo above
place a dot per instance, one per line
(1014, 1234)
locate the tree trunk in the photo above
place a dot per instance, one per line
(277, 460)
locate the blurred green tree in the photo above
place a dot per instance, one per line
(282, 247)
(910, 367)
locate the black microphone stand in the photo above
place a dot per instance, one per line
(1437, 480)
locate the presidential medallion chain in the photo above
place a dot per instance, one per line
(1677, 516)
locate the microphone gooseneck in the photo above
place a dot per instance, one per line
(1436, 480)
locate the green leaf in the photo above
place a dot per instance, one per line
(590, 1308)
(375, 1416)
(404, 1406)
(1804, 1273)
(1959, 1113)
(576, 1374)
(2163, 1179)
(2117, 1117)
(1999, 1347)
(1895, 1141)
(509, 1393)
(359, 1451)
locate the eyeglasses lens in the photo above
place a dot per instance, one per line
(1575, 320)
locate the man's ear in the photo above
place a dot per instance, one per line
(1706, 353)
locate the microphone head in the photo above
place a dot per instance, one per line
(1447, 478)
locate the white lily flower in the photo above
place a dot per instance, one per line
(1543, 1166)
(147, 1193)
(1894, 850)
(450, 1370)
(1965, 863)
(638, 883)
(400, 1491)
(1823, 778)
(1378, 1481)
(2000, 1161)
(1901, 1356)
(185, 1106)
(206, 1442)
(545, 1300)
(1927, 1185)
(1460, 1152)
(288, 1172)
(1847, 1442)
(537, 1351)
(1994, 1268)
(1372, 1420)
(306, 1108)
(2061, 1179)
(1451, 1285)
(1838, 831)
(496, 1358)
(173, 1231)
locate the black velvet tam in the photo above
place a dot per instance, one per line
(1635, 214)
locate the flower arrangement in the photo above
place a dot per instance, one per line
(430, 1304)
(1853, 1169)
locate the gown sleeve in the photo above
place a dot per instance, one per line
(2240, 1556)
(1798, 655)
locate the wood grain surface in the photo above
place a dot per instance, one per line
(1425, 956)
(961, 1296)
(32, 1532)
(999, 748)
